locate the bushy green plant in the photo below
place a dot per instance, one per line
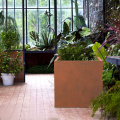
(40, 69)
(109, 102)
(79, 52)
(9, 64)
(8, 39)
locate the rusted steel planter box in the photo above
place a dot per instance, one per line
(77, 82)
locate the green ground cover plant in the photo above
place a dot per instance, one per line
(40, 69)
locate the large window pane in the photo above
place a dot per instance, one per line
(18, 17)
(43, 20)
(52, 3)
(11, 13)
(32, 24)
(10, 3)
(14, 22)
(36, 20)
(43, 3)
(52, 19)
(80, 3)
(32, 3)
(18, 3)
(59, 21)
(66, 3)
(0, 3)
(63, 15)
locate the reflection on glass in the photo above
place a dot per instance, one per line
(32, 3)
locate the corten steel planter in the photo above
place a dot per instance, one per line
(77, 82)
(20, 76)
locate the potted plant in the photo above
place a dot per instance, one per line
(9, 66)
(11, 62)
(78, 76)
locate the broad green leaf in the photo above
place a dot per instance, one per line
(102, 53)
(65, 29)
(85, 32)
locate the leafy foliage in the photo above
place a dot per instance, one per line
(85, 32)
(8, 39)
(75, 35)
(11, 25)
(40, 69)
(9, 64)
(79, 19)
(65, 29)
(108, 101)
(102, 53)
(110, 75)
(34, 35)
(1, 18)
(45, 42)
(27, 47)
(79, 52)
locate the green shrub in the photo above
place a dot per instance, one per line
(79, 52)
(40, 69)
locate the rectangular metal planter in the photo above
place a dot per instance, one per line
(77, 82)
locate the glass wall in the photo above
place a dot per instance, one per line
(66, 12)
(39, 20)
(13, 21)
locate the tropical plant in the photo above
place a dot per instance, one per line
(102, 53)
(111, 30)
(110, 73)
(45, 42)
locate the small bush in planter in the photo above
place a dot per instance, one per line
(9, 64)
(79, 52)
